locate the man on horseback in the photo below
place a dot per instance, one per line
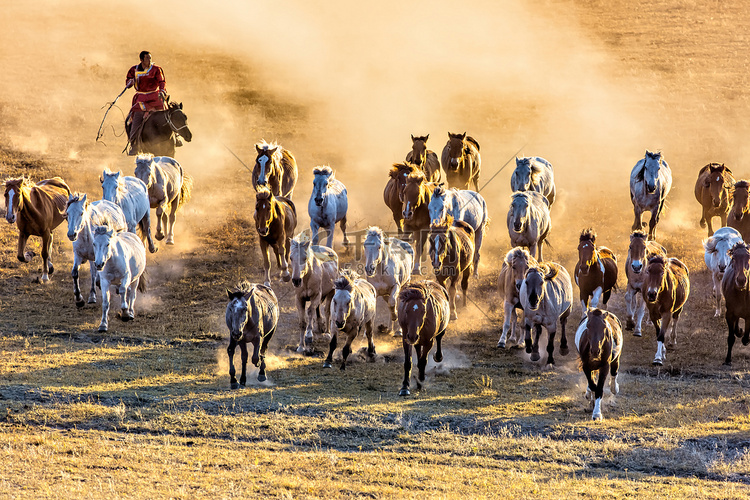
(150, 95)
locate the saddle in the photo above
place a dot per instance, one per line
(138, 146)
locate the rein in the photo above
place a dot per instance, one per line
(168, 117)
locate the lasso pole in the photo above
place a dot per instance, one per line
(99, 133)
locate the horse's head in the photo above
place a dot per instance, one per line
(419, 150)
(651, 166)
(716, 183)
(521, 177)
(533, 287)
(74, 214)
(596, 326)
(586, 250)
(13, 198)
(341, 304)
(145, 168)
(717, 248)
(519, 260)
(413, 194)
(376, 242)
(177, 120)
(300, 255)
(519, 212)
(655, 276)
(400, 172)
(269, 155)
(740, 205)
(455, 149)
(740, 254)
(440, 205)
(637, 251)
(412, 311)
(321, 180)
(440, 239)
(102, 248)
(110, 185)
(264, 210)
(237, 315)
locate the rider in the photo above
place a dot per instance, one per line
(150, 94)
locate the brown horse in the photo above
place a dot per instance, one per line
(452, 255)
(515, 264)
(739, 217)
(640, 250)
(393, 188)
(734, 286)
(415, 199)
(713, 190)
(275, 221)
(36, 210)
(599, 345)
(461, 161)
(596, 272)
(425, 159)
(665, 291)
(275, 168)
(423, 312)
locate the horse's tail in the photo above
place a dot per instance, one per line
(186, 190)
(143, 281)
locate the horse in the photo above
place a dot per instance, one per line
(328, 205)
(352, 310)
(415, 198)
(36, 209)
(451, 253)
(529, 222)
(275, 168)
(734, 286)
(515, 264)
(737, 217)
(425, 159)
(131, 195)
(252, 315)
(464, 205)
(82, 217)
(650, 182)
(717, 258)
(665, 290)
(546, 295)
(160, 129)
(120, 259)
(713, 190)
(599, 345)
(169, 188)
(534, 174)
(314, 269)
(275, 220)
(388, 264)
(461, 161)
(641, 249)
(423, 313)
(397, 176)
(595, 272)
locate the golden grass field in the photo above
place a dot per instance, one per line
(145, 410)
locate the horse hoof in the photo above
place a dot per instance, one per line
(234, 385)
(300, 349)
(637, 334)
(404, 392)
(454, 316)
(535, 356)
(398, 334)
(261, 378)
(102, 329)
(629, 324)
(267, 283)
(80, 303)
(564, 351)
(597, 416)
(125, 317)
(727, 363)
(501, 344)
(658, 362)
(702, 222)
(437, 358)
(343, 366)
(50, 269)
(327, 364)
(170, 242)
(159, 236)
(152, 248)
(92, 300)
(286, 278)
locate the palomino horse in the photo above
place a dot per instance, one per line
(415, 199)
(713, 190)
(120, 259)
(352, 310)
(738, 217)
(82, 218)
(36, 209)
(468, 206)
(665, 291)
(392, 193)
(169, 188)
(461, 161)
(388, 264)
(641, 249)
(529, 222)
(599, 344)
(314, 269)
(534, 174)
(160, 129)
(275, 168)
(512, 274)
(275, 221)
(650, 182)
(328, 205)
(425, 159)
(717, 258)
(452, 254)
(734, 286)
(546, 295)
(423, 313)
(596, 272)
(252, 315)
(131, 195)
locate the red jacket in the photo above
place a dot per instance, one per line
(148, 83)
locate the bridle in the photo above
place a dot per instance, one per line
(168, 117)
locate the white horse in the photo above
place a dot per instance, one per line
(717, 258)
(82, 217)
(529, 222)
(388, 264)
(131, 195)
(650, 182)
(534, 174)
(120, 259)
(328, 204)
(464, 205)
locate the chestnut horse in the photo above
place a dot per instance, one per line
(36, 209)
(461, 161)
(665, 291)
(275, 221)
(515, 264)
(452, 255)
(596, 272)
(423, 313)
(738, 217)
(393, 188)
(415, 199)
(639, 251)
(713, 190)
(425, 159)
(734, 286)
(275, 168)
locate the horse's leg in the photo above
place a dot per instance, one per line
(22, 239)
(478, 237)
(369, 327)
(599, 392)
(723, 217)
(551, 331)
(124, 290)
(717, 293)
(302, 324)
(596, 296)
(263, 347)
(465, 285)
(527, 337)
(266, 261)
(132, 293)
(675, 320)
(243, 357)
(630, 307)
(704, 217)
(330, 230)
(92, 292)
(614, 366)
(584, 296)
(145, 224)
(640, 313)
(733, 327)
(160, 219)
(438, 356)
(422, 240)
(47, 268)
(342, 225)
(563, 337)
(255, 358)
(392, 302)
(508, 317)
(661, 328)
(278, 252)
(284, 254)
(710, 226)
(74, 274)
(605, 299)
(314, 228)
(452, 295)
(422, 351)
(331, 347)
(311, 311)
(230, 353)
(407, 369)
(535, 346)
(348, 346)
(172, 220)
(638, 213)
(104, 284)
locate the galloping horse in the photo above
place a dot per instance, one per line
(596, 271)
(639, 252)
(461, 161)
(451, 253)
(160, 129)
(131, 195)
(534, 174)
(392, 193)
(529, 222)
(415, 198)
(717, 258)
(425, 159)
(738, 215)
(512, 274)
(275, 168)
(328, 205)
(734, 286)
(275, 221)
(650, 182)
(252, 315)
(169, 188)
(713, 190)
(36, 209)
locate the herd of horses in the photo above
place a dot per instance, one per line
(431, 202)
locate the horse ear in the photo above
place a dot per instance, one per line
(272, 151)
(426, 137)
(412, 137)
(257, 148)
(229, 293)
(180, 105)
(117, 175)
(463, 136)
(84, 198)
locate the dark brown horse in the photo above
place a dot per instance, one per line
(275, 168)
(595, 273)
(452, 256)
(739, 214)
(275, 221)
(393, 188)
(461, 161)
(734, 286)
(665, 291)
(415, 199)
(713, 190)
(424, 158)
(36, 209)
(423, 312)
(160, 131)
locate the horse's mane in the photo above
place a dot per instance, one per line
(323, 170)
(73, 198)
(422, 138)
(442, 227)
(244, 287)
(439, 191)
(144, 157)
(263, 193)
(516, 253)
(346, 280)
(742, 184)
(24, 182)
(464, 225)
(416, 177)
(301, 238)
(639, 234)
(265, 146)
(101, 230)
(414, 291)
(740, 245)
(549, 270)
(375, 232)
(657, 259)
(473, 141)
(588, 234)
(397, 168)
